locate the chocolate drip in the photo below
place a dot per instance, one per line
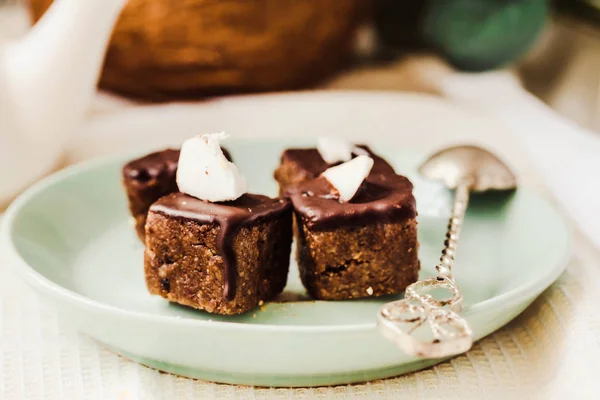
(231, 216)
(381, 198)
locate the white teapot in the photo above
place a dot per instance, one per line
(47, 81)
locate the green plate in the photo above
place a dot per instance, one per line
(70, 239)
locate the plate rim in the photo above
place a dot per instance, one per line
(11, 256)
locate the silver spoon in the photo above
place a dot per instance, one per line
(420, 324)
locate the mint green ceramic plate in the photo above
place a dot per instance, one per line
(69, 237)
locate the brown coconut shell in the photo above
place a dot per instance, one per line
(168, 50)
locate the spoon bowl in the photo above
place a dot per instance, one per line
(481, 169)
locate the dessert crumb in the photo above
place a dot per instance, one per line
(370, 291)
(254, 315)
(260, 303)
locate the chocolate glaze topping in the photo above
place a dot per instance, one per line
(230, 216)
(161, 164)
(381, 198)
(158, 165)
(312, 163)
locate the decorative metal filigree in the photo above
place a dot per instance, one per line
(428, 326)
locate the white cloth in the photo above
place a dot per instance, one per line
(567, 155)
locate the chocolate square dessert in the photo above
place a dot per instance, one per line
(301, 165)
(149, 178)
(222, 257)
(365, 247)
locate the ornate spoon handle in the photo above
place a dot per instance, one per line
(448, 333)
(461, 201)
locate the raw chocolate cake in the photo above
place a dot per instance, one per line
(219, 257)
(365, 247)
(301, 165)
(149, 178)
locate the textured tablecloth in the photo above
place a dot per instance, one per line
(551, 351)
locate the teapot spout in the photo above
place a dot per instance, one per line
(52, 72)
